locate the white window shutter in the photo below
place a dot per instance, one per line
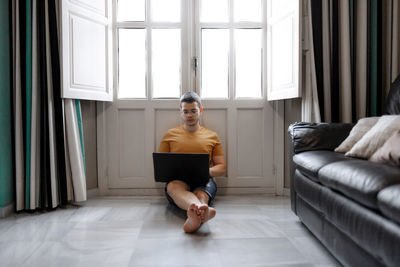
(86, 30)
(283, 48)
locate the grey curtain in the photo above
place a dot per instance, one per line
(356, 46)
(48, 140)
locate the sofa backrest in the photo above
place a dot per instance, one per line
(392, 106)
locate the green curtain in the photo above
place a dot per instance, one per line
(6, 156)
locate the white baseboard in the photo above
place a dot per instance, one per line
(92, 193)
(6, 211)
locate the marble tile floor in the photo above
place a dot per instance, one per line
(249, 230)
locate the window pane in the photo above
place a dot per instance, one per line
(214, 11)
(247, 10)
(166, 10)
(131, 10)
(215, 63)
(132, 63)
(248, 62)
(166, 63)
(281, 7)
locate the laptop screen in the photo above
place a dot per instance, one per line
(190, 168)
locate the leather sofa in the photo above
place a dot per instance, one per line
(351, 205)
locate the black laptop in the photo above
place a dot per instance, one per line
(191, 168)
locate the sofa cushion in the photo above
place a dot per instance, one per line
(389, 202)
(358, 179)
(310, 162)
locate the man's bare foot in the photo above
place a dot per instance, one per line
(193, 221)
(206, 213)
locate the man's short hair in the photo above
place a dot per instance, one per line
(190, 97)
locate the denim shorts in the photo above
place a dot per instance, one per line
(210, 188)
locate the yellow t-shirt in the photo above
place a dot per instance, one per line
(179, 140)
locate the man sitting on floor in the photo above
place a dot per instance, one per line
(193, 138)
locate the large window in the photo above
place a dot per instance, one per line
(227, 38)
(214, 47)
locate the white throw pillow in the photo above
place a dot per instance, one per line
(375, 137)
(358, 131)
(390, 151)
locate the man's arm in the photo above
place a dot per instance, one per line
(164, 145)
(219, 167)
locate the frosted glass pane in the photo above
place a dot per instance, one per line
(215, 63)
(166, 10)
(282, 56)
(214, 11)
(247, 10)
(131, 10)
(166, 63)
(132, 63)
(248, 62)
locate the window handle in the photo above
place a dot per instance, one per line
(195, 65)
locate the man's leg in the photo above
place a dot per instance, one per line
(206, 212)
(188, 201)
(179, 192)
(202, 196)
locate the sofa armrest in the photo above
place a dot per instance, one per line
(306, 136)
(313, 136)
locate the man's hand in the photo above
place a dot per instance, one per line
(219, 168)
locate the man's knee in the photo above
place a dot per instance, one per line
(176, 185)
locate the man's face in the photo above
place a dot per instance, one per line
(190, 113)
